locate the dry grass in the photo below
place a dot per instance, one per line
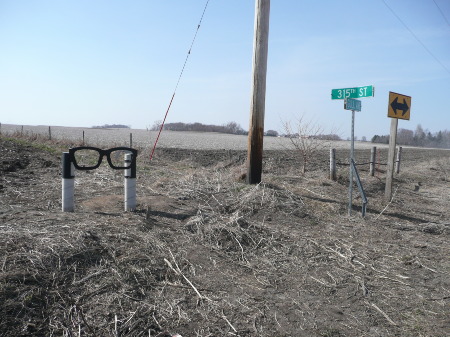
(207, 255)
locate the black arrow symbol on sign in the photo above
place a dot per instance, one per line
(395, 105)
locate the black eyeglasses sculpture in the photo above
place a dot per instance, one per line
(85, 158)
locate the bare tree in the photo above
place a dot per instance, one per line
(156, 126)
(306, 137)
(405, 137)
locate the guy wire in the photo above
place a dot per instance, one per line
(179, 78)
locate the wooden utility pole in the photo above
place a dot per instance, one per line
(258, 99)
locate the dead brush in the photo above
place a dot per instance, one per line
(72, 276)
(443, 168)
(230, 215)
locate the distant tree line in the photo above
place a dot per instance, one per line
(231, 127)
(112, 126)
(330, 136)
(419, 137)
(271, 133)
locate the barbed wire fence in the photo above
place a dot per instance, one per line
(374, 162)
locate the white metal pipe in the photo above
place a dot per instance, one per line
(130, 194)
(129, 186)
(68, 183)
(68, 195)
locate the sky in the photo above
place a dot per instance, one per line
(94, 62)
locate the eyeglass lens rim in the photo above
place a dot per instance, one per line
(101, 154)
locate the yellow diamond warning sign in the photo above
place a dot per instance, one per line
(399, 106)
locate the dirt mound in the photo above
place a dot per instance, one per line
(207, 255)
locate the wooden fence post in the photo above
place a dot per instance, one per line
(390, 162)
(131, 140)
(333, 164)
(83, 137)
(397, 162)
(373, 155)
(49, 133)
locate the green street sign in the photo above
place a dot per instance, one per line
(352, 104)
(367, 91)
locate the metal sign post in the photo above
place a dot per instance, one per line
(353, 105)
(350, 103)
(352, 156)
(361, 189)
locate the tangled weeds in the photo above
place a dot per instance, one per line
(207, 255)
